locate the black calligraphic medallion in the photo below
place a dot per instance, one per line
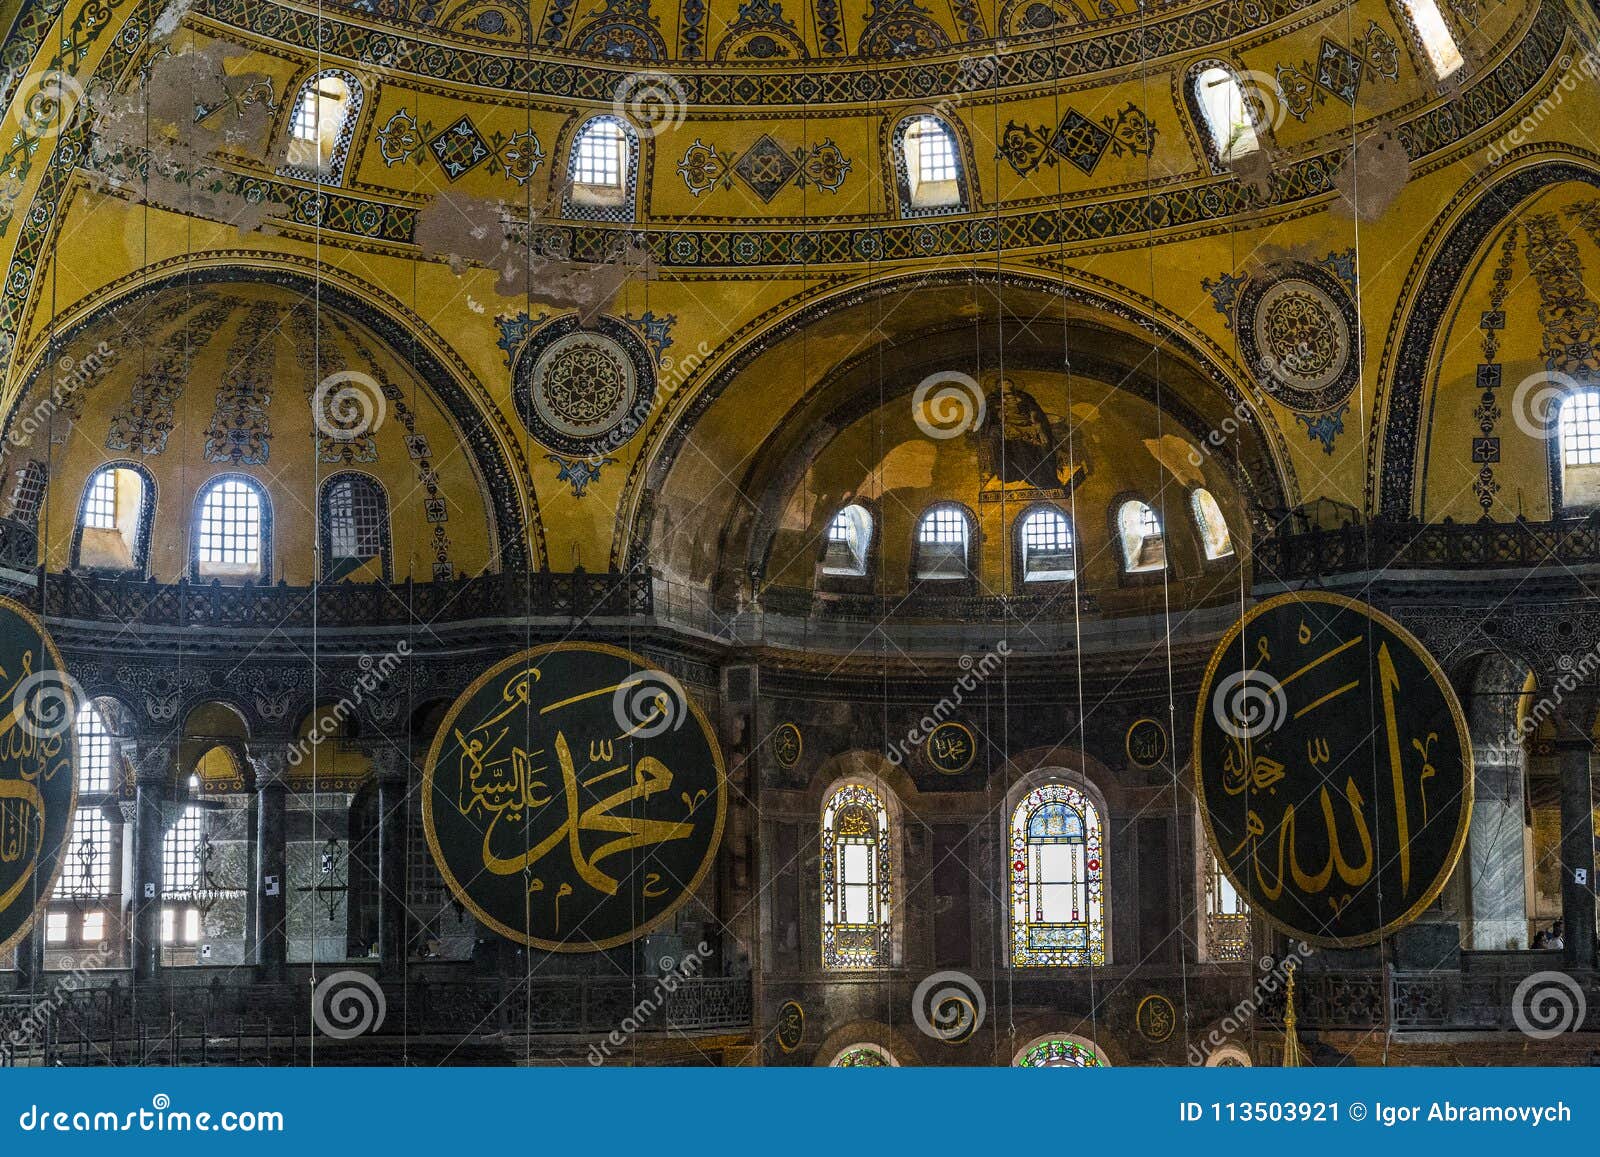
(1155, 1018)
(574, 797)
(1333, 768)
(791, 1028)
(38, 790)
(1146, 743)
(787, 744)
(951, 748)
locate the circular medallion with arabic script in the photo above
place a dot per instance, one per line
(1332, 767)
(574, 796)
(38, 791)
(584, 390)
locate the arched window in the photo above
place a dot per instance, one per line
(1578, 428)
(355, 527)
(94, 750)
(1059, 1053)
(942, 544)
(602, 169)
(1227, 916)
(849, 539)
(1057, 874)
(1213, 526)
(113, 529)
(231, 529)
(321, 125)
(856, 891)
(1044, 539)
(1434, 34)
(1225, 108)
(180, 876)
(1144, 548)
(928, 164)
(864, 1056)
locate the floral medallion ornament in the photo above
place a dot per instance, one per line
(574, 797)
(1300, 336)
(1333, 768)
(584, 391)
(38, 792)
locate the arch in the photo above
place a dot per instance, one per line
(493, 447)
(1216, 540)
(353, 525)
(1435, 279)
(863, 1055)
(858, 876)
(1136, 528)
(120, 500)
(230, 534)
(869, 1034)
(944, 546)
(1229, 1056)
(1224, 113)
(1056, 863)
(321, 122)
(929, 163)
(1062, 1050)
(603, 170)
(1207, 396)
(850, 541)
(1044, 547)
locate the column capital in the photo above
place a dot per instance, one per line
(270, 763)
(391, 763)
(154, 762)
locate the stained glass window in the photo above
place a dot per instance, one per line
(1057, 879)
(1059, 1054)
(855, 879)
(1227, 916)
(864, 1057)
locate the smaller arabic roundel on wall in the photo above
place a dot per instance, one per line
(38, 792)
(584, 390)
(1156, 1018)
(1332, 767)
(787, 745)
(1146, 743)
(951, 748)
(1299, 334)
(791, 1028)
(574, 796)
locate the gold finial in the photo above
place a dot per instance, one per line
(1292, 1057)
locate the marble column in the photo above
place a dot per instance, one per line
(154, 771)
(392, 766)
(1573, 752)
(1497, 877)
(269, 762)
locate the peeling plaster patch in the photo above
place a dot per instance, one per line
(1254, 171)
(1372, 175)
(167, 23)
(466, 231)
(1178, 456)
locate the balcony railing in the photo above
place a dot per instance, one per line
(1431, 546)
